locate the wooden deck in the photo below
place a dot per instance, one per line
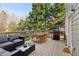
(50, 48)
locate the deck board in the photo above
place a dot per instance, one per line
(50, 48)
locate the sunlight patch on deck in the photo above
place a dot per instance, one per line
(50, 48)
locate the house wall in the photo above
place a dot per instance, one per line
(72, 26)
(68, 28)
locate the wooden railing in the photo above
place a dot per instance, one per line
(24, 33)
(27, 34)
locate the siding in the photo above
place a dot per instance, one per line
(75, 29)
(68, 25)
(74, 19)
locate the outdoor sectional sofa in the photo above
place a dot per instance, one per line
(17, 40)
(9, 43)
(14, 45)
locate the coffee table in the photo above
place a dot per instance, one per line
(26, 49)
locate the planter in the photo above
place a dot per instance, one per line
(40, 37)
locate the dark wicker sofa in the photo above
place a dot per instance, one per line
(9, 45)
(16, 39)
(5, 44)
(11, 42)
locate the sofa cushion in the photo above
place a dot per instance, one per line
(2, 51)
(6, 53)
(6, 44)
(12, 53)
(13, 37)
(17, 40)
(3, 38)
(9, 46)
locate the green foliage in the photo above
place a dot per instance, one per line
(57, 10)
(38, 16)
(21, 25)
(46, 15)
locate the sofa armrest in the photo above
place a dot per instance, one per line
(21, 37)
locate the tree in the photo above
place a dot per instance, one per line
(58, 10)
(2, 27)
(12, 27)
(3, 21)
(21, 25)
(46, 13)
(40, 13)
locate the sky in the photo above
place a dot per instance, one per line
(19, 9)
